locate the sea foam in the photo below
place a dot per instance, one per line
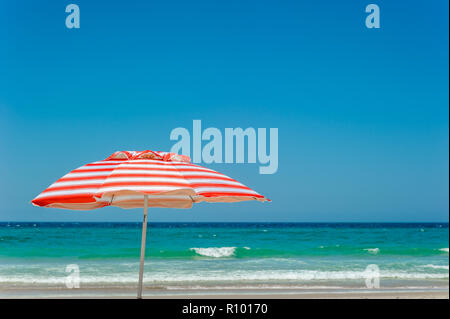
(436, 266)
(214, 277)
(374, 251)
(216, 252)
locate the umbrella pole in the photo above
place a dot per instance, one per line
(144, 236)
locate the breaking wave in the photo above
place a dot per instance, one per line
(216, 252)
(374, 251)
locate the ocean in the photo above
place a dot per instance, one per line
(224, 255)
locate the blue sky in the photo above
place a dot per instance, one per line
(362, 113)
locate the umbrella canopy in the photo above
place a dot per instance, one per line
(122, 179)
(131, 179)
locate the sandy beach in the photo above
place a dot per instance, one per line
(115, 293)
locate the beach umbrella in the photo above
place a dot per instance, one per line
(131, 179)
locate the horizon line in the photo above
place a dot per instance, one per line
(234, 222)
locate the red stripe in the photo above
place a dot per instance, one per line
(211, 194)
(157, 192)
(198, 185)
(71, 179)
(79, 198)
(80, 170)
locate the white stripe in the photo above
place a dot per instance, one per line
(146, 179)
(98, 167)
(174, 179)
(87, 174)
(211, 173)
(187, 182)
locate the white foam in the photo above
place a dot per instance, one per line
(436, 266)
(374, 251)
(211, 277)
(216, 252)
(444, 250)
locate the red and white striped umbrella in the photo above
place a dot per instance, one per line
(131, 179)
(122, 179)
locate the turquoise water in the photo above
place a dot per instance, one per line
(224, 254)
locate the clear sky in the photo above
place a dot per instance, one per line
(362, 113)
